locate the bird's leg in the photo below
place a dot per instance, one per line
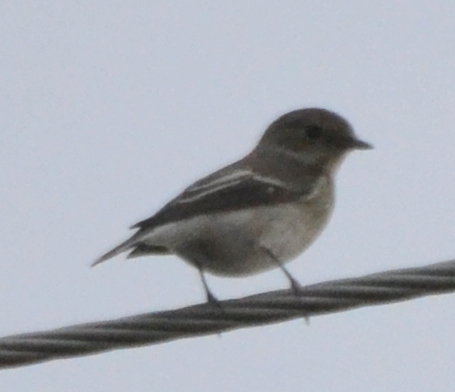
(295, 285)
(194, 252)
(210, 297)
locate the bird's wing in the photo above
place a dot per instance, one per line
(234, 187)
(230, 188)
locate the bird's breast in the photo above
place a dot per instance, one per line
(289, 229)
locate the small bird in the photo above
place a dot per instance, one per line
(259, 212)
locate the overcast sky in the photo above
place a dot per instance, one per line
(110, 108)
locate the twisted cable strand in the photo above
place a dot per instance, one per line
(205, 319)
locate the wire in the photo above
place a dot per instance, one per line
(205, 319)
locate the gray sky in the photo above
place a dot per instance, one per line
(110, 108)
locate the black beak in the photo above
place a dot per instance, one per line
(360, 145)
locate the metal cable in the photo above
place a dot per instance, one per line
(205, 319)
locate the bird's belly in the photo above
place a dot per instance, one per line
(236, 243)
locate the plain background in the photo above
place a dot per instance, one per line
(109, 108)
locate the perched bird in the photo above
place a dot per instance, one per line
(259, 212)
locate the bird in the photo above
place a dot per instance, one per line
(259, 212)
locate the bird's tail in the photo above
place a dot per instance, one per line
(123, 247)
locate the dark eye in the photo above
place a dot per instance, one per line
(313, 131)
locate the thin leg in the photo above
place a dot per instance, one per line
(192, 252)
(295, 285)
(210, 297)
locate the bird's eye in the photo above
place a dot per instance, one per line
(313, 131)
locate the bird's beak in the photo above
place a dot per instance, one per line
(358, 144)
